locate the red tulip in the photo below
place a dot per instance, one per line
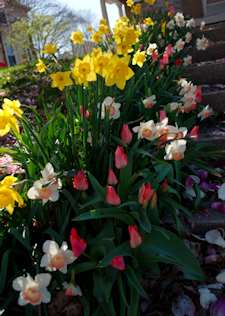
(126, 134)
(194, 133)
(112, 179)
(198, 94)
(118, 263)
(121, 160)
(80, 181)
(78, 245)
(112, 197)
(135, 237)
(145, 194)
(178, 62)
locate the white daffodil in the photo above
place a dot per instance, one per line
(188, 37)
(206, 297)
(179, 19)
(175, 150)
(202, 43)
(56, 258)
(111, 108)
(146, 130)
(48, 173)
(149, 102)
(151, 48)
(33, 291)
(173, 106)
(71, 290)
(191, 23)
(179, 45)
(174, 132)
(221, 192)
(171, 25)
(206, 112)
(187, 60)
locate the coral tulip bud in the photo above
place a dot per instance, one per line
(80, 181)
(164, 185)
(78, 245)
(135, 237)
(118, 263)
(112, 179)
(145, 194)
(121, 160)
(194, 133)
(126, 134)
(112, 197)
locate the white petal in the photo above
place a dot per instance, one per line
(214, 237)
(64, 246)
(221, 277)
(19, 284)
(206, 297)
(50, 247)
(43, 279)
(21, 300)
(46, 298)
(48, 171)
(70, 258)
(54, 196)
(221, 192)
(45, 261)
(33, 193)
(64, 269)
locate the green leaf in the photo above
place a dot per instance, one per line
(96, 186)
(167, 247)
(164, 170)
(4, 268)
(116, 213)
(83, 267)
(122, 250)
(22, 239)
(134, 282)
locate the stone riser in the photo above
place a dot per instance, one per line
(213, 52)
(216, 100)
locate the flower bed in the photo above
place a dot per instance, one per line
(97, 172)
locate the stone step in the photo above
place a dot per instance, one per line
(212, 72)
(216, 50)
(214, 32)
(204, 221)
(216, 99)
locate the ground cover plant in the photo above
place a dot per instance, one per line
(94, 188)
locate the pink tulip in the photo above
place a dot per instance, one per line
(112, 197)
(118, 263)
(126, 134)
(80, 181)
(112, 179)
(78, 245)
(194, 133)
(121, 160)
(145, 195)
(135, 237)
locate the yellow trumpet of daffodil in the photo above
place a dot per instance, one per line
(8, 195)
(50, 49)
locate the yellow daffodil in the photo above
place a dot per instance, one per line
(101, 60)
(61, 80)
(83, 71)
(148, 21)
(90, 29)
(96, 37)
(7, 122)
(151, 2)
(8, 195)
(118, 72)
(103, 29)
(125, 37)
(50, 49)
(13, 107)
(130, 3)
(77, 37)
(40, 66)
(136, 9)
(163, 28)
(139, 58)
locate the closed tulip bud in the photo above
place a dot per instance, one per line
(121, 160)
(154, 200)
(135, 237)
(145, 194)
(80, 181)
(162, 115)
(194, 133)
(126, 134)
(118, 263)
(112, 179)
(164, 185)
(78, 245)
(112, 197)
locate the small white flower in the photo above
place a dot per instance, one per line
(33, 291)
(171, 25)
(111, 108)
(221, 192)
(149, 102)
(214, 237)
(71, 290)
(179, 19)
(202, 43)
(187, 60)
(188, 37)
(191, 23)
(206, 297)
(151, 48)
(175, 150)
(56, 258)
(174, 106)
(179, 45)
(202, 26)
(205, 113)
(146, 130)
